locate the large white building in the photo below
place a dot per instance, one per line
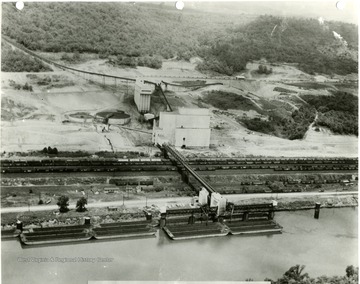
(142, 96)
(203, 196)
(187, 127)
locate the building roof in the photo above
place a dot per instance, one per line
(189, 111)
(194, 111)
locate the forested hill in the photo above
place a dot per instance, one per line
(113, 28)
(226, 43)
(304, 41)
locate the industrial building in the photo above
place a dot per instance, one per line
(203, 196)
(219, 201)
(142, 96)
(186, 128)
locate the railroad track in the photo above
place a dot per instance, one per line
(114, 165)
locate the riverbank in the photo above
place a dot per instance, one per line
(306, 203)
(45, 219)
(122, 213)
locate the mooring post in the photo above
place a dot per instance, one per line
(272, 210)
(87, 220)
(19, 225)
(162, 219)
(317, 210)
(148, 216)
(191, 219)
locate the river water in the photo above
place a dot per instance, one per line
(325, 246)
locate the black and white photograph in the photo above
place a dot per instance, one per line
(179, 142)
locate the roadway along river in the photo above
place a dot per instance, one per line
(177, 200)
(325, 246)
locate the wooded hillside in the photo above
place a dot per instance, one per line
(276, 39)
(138, 33)
(113, 28)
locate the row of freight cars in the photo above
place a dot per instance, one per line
(167, 167)
(232, 161)
(304, 181)
(124, 168)
(83, 162)
(315, 167)
(62, 165)
(161, 161)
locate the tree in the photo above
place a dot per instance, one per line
(65, 57)
(350, 271)
(80, 204)
(76, 56)
(295, 275)
(63, 203)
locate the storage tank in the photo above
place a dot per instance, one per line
(119, 119)
(113, 117)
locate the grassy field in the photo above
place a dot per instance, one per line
(226, 100)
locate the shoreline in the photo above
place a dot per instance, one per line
(342, 202)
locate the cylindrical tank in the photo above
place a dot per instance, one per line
(119, 119)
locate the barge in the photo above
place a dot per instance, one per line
(195, 231)
(78, 233)
(56, 235)
(252, 227)
(9, 234)
(123, 230)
